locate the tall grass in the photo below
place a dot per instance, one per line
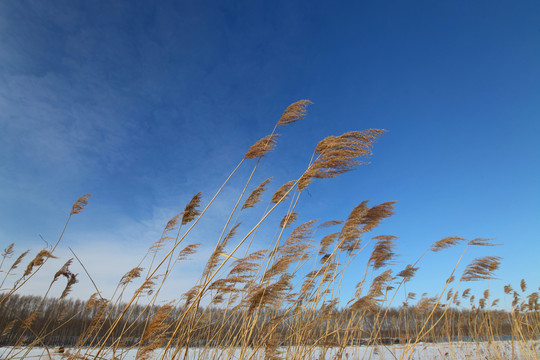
(283, 301)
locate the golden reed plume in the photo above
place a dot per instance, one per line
(262, 147)
(80, 204)
(191, 211)
(256, 194)
(294, 112)
(339, 154)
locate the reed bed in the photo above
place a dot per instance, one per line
(280, 302)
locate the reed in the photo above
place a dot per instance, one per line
(284, 301)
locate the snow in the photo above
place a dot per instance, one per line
(422, 351)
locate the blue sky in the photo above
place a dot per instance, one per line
(143, 105)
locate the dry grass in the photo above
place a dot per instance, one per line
(284, 301)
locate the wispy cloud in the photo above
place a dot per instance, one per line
(108, 253)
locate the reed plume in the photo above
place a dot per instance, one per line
(533, 301)
(294, 112)
(380, 283)
(130, 275)
(449, 294)
(72, 280)
(9, 327)
(27, 323)
(171, 225)
(80, 204)
(154, 335)
(382, 251)
(367, 303)
(95, 300)
(352, 229)
(523, 285)
(191, 211)
(64, 270)
(376, 214)
(188, 250)
(427, 304)
(8, 251)
(326, 241)
(362, 219)
(268, 295)
(293, 248)
(445, 243)
(243, 269)
(288, 219)
(481, 242)
(190, 295)
(371, 301)
(18, 260)
(481, 268)
(408, 272)
(38, 260)
(282, 193)
(218, 251)
(329, 223)
(147, 285)
(339, 154)
(256, 194)
(262, 147)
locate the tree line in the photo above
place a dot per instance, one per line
(28, 319)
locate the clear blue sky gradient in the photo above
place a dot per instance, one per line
(143, 105)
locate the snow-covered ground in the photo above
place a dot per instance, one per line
(422, 351)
